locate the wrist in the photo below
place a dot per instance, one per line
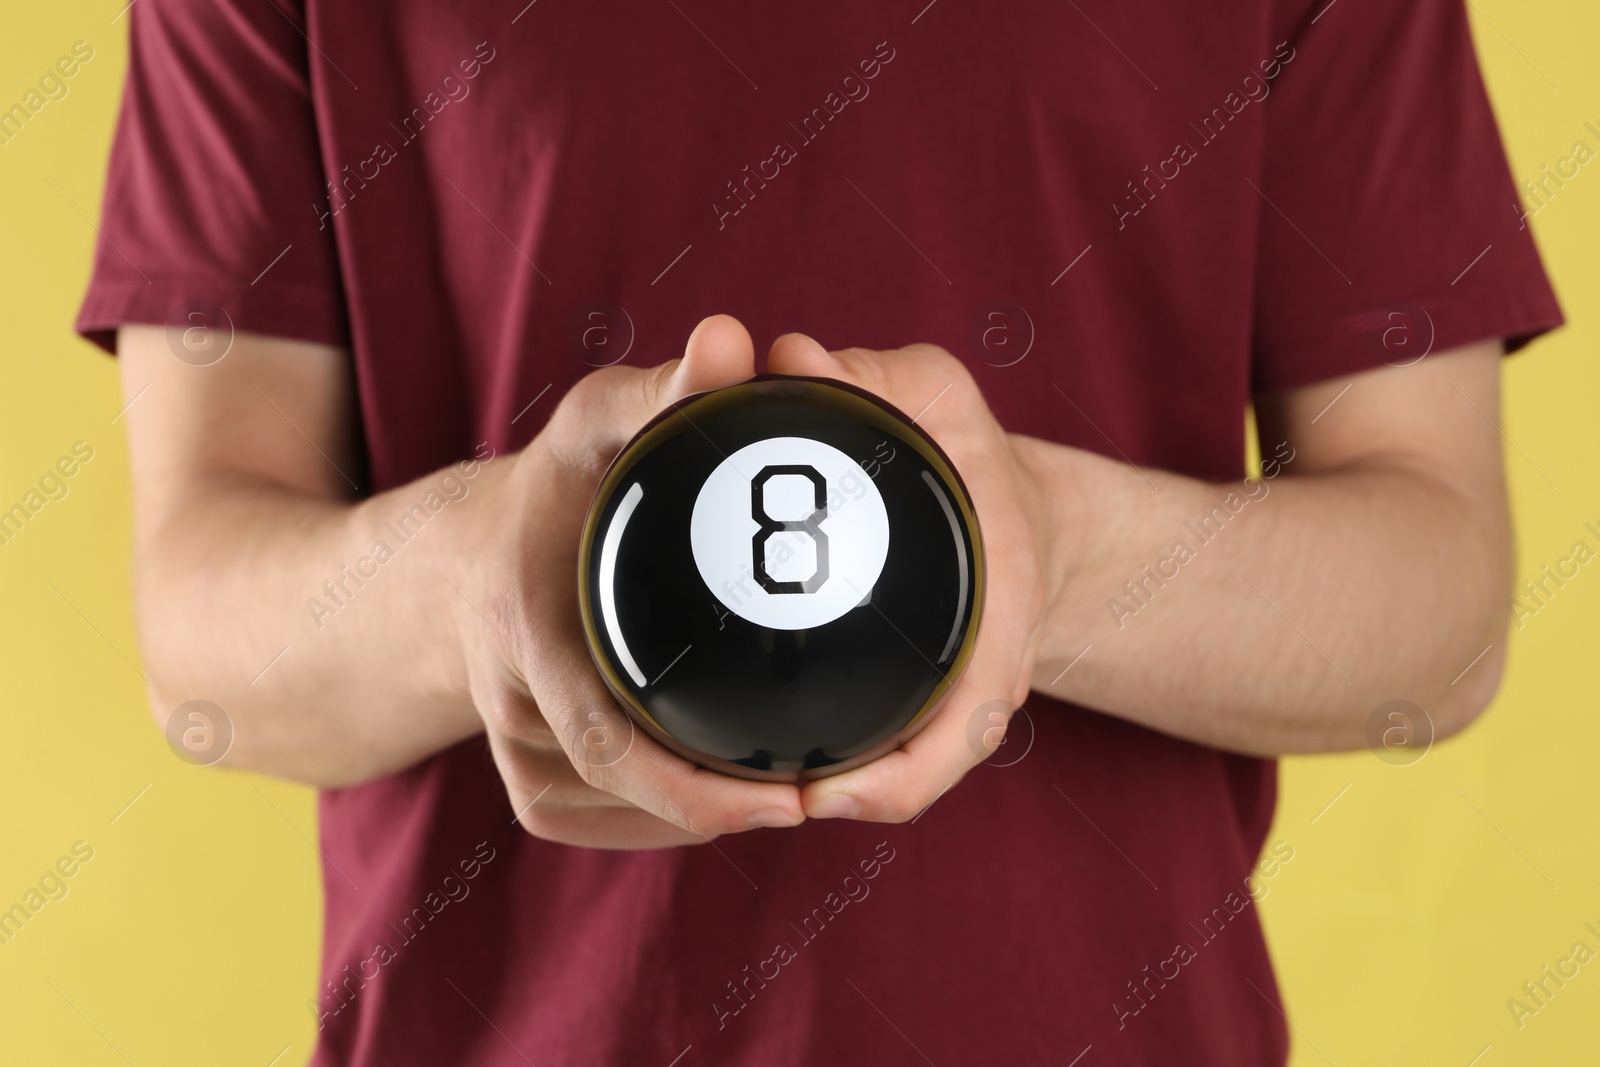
(1050, 499)
(441, 529)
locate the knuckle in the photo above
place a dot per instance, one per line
(687, 815)
(569, 410)
(634, 387)
(899, 811)
(552, 822)
(941, 360)
(505, 609)
(869, 368)
(950, 366)
(929, 350)
(589, 390)
(556, 449)
(603, 409)
(707, 819)
(507, 714)
(593, 775)
(704, 826)
(575, 413)
(655, 386)
(598, 736)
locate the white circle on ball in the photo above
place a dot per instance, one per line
(764, 499)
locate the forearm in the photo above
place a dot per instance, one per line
(1271, 616)
(324, 629)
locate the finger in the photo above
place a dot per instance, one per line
(640, 770)
(553, 764)
(551, 802)
(571, 708)
(701, 801)
(558, 700)
(719, 353)
(630, 829)
(796, 353)
(896, 787)
(910, 378)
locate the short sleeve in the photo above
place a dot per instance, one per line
(215, 194)
(1390, 224)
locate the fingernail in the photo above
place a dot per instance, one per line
(772, 817)
(837, 806)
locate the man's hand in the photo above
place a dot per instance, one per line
(932, 386)
(246, 530)
(575, 767)
(244, 496)
(1400, 488)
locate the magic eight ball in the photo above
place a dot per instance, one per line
(781, 579)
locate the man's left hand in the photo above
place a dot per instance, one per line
(932, 387)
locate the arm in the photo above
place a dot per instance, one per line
(1373, 567)
(244, 507)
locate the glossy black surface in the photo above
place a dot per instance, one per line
(764, 702)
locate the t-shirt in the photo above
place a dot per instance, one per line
(1125, 220)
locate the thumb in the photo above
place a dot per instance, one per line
(607, 407)
(719, 353)
(796, 353)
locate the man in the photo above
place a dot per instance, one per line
(411, 239)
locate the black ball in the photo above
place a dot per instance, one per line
(781, 579)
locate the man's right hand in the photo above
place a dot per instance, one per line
(576, 768)
(256, 590)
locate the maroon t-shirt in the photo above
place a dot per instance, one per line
(1125, 220)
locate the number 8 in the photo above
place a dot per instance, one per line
(810, 525)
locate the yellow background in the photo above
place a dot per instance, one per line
(1415, 905)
